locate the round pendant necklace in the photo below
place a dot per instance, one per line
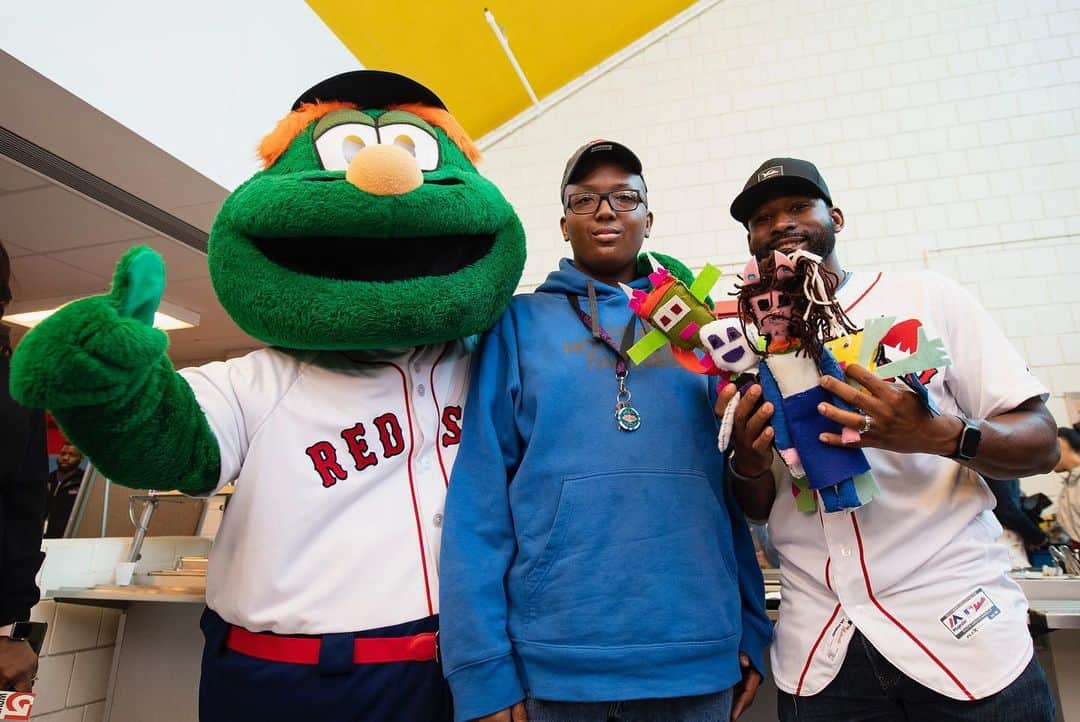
(627, 417)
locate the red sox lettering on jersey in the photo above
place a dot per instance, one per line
(324, 456)
(380, 432)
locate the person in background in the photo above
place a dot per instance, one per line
(23, 470)
(64, 483)
(594, 564)
(1068, 503)
(1021, 532)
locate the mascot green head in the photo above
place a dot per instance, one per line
(369, 226)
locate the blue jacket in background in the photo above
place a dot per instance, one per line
(580, 562)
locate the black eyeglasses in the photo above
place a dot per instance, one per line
(584, 204)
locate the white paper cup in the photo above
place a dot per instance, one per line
(124, 572)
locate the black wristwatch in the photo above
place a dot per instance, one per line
(32, 633)
(968, 443)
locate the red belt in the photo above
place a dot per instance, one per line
(305, 650)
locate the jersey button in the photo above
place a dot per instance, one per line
(420, 389)
(437, 520)
(845, 551)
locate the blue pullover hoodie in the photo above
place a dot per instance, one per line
(580, 562)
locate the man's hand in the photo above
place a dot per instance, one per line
(18, 665)
(745, 689)
(898, 419)
(752, 436)
(511, 714)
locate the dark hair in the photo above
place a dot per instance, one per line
(812, 324)
(5, 299)
(1071, 436)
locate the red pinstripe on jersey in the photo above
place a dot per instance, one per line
(863, 294)
(894, 620)
(412, 482)
(438, 415)
(813, 650)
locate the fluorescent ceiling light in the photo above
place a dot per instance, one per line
(169, 316)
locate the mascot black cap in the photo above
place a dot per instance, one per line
(370, 89)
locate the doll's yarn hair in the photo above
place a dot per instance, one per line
(816, 316)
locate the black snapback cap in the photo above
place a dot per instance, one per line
(594, 151)
(778, 175)
(370, 89)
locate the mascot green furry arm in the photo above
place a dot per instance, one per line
(101, 368)
(318, 251)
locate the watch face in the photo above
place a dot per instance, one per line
(969, 441)
(21, 630)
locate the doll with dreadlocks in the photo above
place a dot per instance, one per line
(790, 300)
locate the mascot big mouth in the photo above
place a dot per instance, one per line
(369, 226)
(367, 253)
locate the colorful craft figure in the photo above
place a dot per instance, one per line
(677, 314)
(365, 255)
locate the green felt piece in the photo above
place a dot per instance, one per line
(647, 345)
(866, 486)
(804, 499)
(873, 331)
(674, 266)
(704, 282)
(929, 354)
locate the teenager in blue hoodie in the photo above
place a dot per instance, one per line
(594, 565)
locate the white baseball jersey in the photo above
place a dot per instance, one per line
(341, 467)
(917, 570)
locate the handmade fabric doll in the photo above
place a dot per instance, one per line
(365, 254)
(790, 301)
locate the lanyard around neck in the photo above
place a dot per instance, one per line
(592, 322)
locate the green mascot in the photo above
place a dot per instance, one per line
(366, 253)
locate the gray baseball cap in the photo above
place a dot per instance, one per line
(593, 151)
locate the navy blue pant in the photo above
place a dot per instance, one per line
(236, 687)
(868, 688)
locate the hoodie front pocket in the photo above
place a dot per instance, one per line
(643, 555)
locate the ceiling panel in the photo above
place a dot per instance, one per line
(16, 178)
(54, 218)
(181, 262)
(37, 276)
(13, 250)
(200, 215)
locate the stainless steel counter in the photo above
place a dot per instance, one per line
(117, 596)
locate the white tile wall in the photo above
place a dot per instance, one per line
(90, 676)
(948, 130)
(94, 712)
(78, 650)
(76, 628)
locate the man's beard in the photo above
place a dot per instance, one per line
(822, 242)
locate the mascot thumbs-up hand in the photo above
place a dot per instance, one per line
(100, 367)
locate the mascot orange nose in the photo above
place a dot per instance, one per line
(384, 170)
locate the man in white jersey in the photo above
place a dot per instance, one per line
(901, 609)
